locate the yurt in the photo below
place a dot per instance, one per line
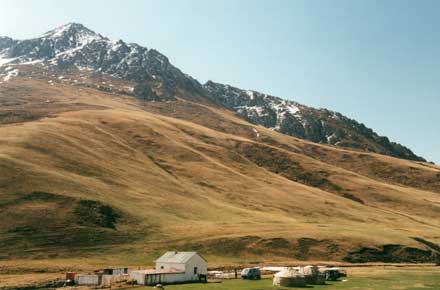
(313, 275)
(289, 277)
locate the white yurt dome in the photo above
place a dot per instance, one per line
(289, 277)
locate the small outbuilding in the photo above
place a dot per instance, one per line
(88, 280)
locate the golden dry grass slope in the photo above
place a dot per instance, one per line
(86, 172)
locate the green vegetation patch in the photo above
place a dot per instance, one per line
(93, 212)
(43, 223)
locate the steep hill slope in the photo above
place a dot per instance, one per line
(183, 174)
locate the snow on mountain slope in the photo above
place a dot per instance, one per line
(75, 46)
(317, 125)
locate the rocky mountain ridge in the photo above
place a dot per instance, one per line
(317, 125)
(74, 46)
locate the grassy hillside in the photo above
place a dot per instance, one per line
(87, 172)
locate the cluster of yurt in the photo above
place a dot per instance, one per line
(289, 277)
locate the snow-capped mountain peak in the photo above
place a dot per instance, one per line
(153, 78)
(72, 35)
(70, 29)
(74, 46)
(52, 46)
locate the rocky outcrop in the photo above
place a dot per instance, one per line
(6, 42)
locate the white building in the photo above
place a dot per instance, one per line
(174, 267)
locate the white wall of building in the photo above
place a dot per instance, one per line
(163, 278)
(196, 261)
(168, 266)
(87, 280)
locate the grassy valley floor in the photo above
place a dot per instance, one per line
(359, 278)
(376, 278)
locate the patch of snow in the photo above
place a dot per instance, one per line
(256, 132)
(4, 60)
(32, 62)
(115, 45)
(130, 89)
(280, 106)
(292, 109)
(329, 138)
(57, 32)
(250, 94)
(335, 116)
(253, 109)
(10, 74)
(82, 36)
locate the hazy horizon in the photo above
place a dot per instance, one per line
(376, 62)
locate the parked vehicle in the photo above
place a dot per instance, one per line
(251, 273)
(333, 274)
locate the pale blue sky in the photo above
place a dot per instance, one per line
(375, 61)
